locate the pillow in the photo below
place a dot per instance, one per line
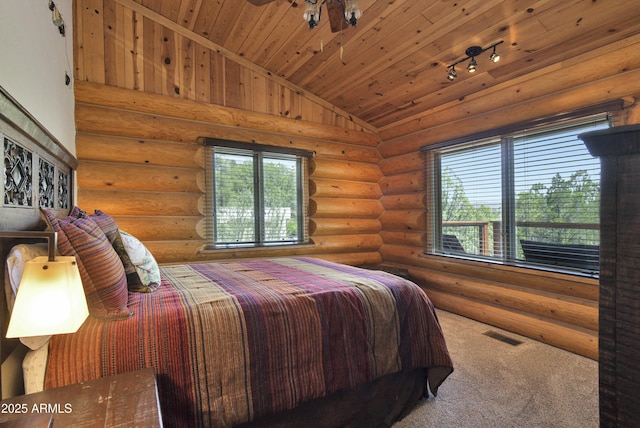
(101, 270)
(143, 273)
(18, 256)
(141, 269)
(107, 224)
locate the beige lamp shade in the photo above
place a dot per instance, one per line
(50, 299)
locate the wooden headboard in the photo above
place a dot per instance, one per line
(37, 172)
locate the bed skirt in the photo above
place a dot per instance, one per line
(377, 404)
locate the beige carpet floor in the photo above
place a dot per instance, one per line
(496, 384)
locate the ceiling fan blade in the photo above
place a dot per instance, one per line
(260, 2)
(335, 10)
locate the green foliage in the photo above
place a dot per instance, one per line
(456, 207)
(572, 200)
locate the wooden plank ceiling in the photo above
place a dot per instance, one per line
(393, 64)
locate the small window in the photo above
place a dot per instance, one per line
(258, 197)
(528, 198)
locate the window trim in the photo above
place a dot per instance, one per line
(506, 140)
(258, 152)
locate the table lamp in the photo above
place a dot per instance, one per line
(50, 298)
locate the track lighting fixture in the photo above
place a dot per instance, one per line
(472, 52)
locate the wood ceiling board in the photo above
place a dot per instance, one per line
(373, 39)
(187, 13)
(290, 31)
(267, 20)
(240, 31)
(168, 9)
(228, 16)
(536, 53)
(359, 66)
(206, 17)
(400, 46)
(404, 102)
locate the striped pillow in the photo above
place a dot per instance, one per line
(142, 274)
(101, 270)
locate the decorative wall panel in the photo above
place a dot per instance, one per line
(46, 188)
(37, 170)
(18, 172)
(64, 188)
(53, 190)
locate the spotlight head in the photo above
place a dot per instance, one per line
(452, 73)
(471, 68)
(494, 57)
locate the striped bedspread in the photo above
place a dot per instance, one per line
(234, 341)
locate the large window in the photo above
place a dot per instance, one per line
(258, 196)
(529, 198)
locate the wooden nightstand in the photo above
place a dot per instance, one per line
(124, 400)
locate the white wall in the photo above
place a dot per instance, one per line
(34, 58)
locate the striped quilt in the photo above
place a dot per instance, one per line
(233, 341)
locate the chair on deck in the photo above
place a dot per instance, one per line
(451, 244)
(577, 256)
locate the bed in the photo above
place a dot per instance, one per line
(264, 342)
(235, 342)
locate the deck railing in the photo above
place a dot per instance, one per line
(486, 239)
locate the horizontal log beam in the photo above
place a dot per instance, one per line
(346, 243)
(112, 176)
(342, 226)
(563, 284)
(408, 201)
(458, 123)
(405, 220)
(115, 149)
(402, 164)
(573, 339)
(323, 188)
(344, 208)
(415, 239)
(355, 171)
(161, 228)
(602, 76)
(93, 119)
(583, 313)
(117, 203)
(412, 181)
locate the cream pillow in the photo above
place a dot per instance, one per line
(142, 263)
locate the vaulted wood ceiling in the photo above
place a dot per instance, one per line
(393, 64)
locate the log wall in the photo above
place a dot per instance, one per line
(557, 309)
(139, 161)
(146, 89)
